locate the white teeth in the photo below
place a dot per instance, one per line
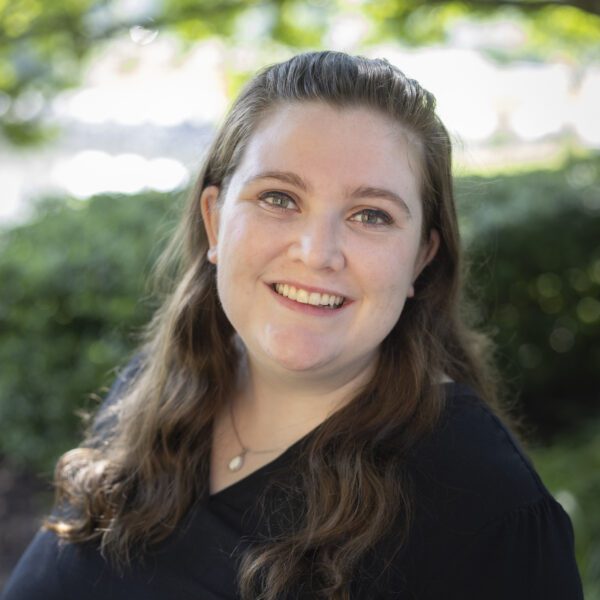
(302, 296)
(305, 297)
(314, 298)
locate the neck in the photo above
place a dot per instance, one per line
(283, 407)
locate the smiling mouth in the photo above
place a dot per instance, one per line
(306, 297)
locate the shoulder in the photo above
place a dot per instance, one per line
(49, 570)
(31, 579)
(107, 414)
(484, 525)
(471, 468)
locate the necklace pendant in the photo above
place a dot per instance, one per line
(237, 462)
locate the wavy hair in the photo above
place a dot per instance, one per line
(130, 483)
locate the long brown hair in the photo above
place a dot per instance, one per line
(133, 486)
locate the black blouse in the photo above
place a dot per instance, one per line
(484, 527)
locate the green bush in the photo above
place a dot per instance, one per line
(73, 295)
(73, 288)
(534, 251)
(571, 471)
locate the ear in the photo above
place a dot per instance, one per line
(426, 254)
(210, 217)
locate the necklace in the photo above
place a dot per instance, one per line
(237, 462)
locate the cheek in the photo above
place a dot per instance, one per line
(388, 272)
(246, 249)
(236, 241)
(245, 228)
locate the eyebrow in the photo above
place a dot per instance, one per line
(359, 193)
(377, 192)
(285, 176)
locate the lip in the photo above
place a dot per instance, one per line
(310, 288)
(308, 309)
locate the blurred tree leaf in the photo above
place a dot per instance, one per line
(43, 44)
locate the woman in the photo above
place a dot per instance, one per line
(309, 416)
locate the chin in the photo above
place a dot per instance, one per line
(296, 349)
(298, 362)
(298, 358)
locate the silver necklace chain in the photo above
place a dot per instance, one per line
(237, 462)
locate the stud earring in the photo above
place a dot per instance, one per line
(212, 255)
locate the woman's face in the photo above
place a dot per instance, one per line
(324, 206)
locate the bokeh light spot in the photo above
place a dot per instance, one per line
(588, 310)
(562, 339)
(529, 356)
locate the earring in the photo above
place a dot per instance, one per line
(212, 255)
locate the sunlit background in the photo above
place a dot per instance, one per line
(148, 101)
(107, 108)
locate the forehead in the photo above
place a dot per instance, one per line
(334, 147)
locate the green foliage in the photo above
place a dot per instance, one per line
(44, 45)
(569, 32)
(72, 297)
(562, 31)
(414, 23)
(535, 257)
(570, 468)
(41, 46)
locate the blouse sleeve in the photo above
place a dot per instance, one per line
(528, 554)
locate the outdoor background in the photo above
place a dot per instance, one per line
(106, 108)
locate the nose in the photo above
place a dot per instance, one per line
(318, 245)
